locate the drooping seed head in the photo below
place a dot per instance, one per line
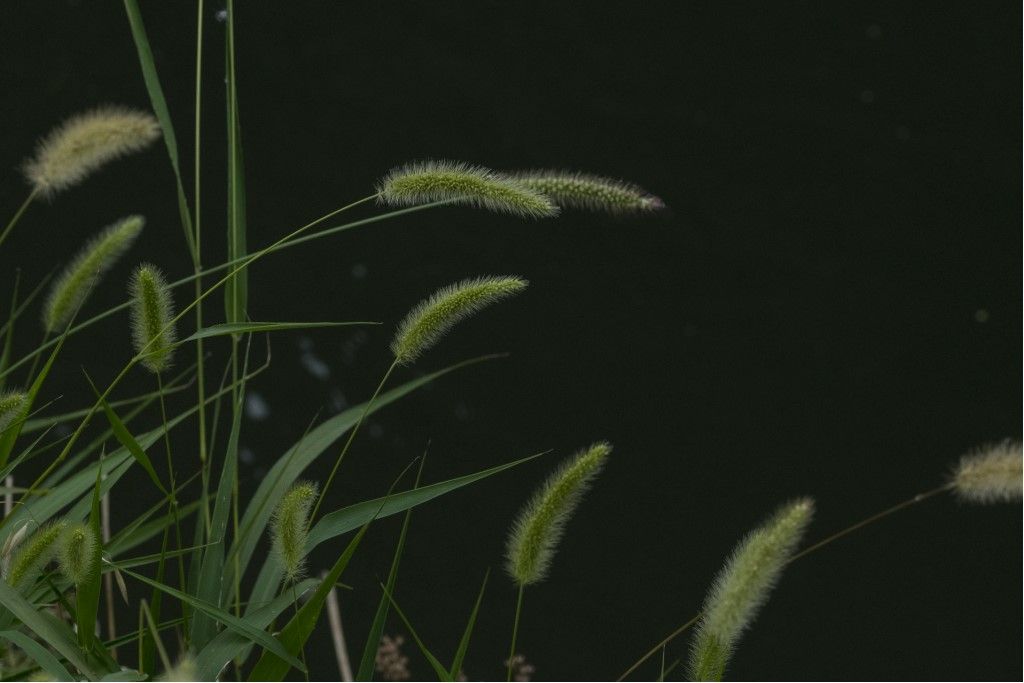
(535, 534)
(743, 586)
(98, 256)
(289, 528)
(991, 474)
(584, 191)
(151, 313)
(459, 183)
(85, 143)
(34, 553)
(78, 550)
(12, 403)
(433, 317)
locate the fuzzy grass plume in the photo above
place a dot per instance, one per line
(535, 534)
(743, 586)
(431, 181)
(151, 315)
(11, 405)
(97, 257)
(85, 143)
(433, 317)
(77, 552)
(590, 192)
(33, 554)
(990, 474)
(290, 527)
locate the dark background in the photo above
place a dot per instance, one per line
(832, 306)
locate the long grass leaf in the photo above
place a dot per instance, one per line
(377, 627)
(435, 663)
(163, 115)
(241, 626)
(225, 329)
(460, 653)
(87, 593)
(39, 654)
(236, 289)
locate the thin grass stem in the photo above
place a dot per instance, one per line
(515, 630)
(17, 215)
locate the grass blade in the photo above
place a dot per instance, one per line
(377, 627)
(39, 654)
(224, 329)
(236, 289)
(460, 653)
(442, 673)
(159, 102)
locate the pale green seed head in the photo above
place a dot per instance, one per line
(991, 474)
(70, 290)
(459, 183)
(535, 534)
(12, 404)
(151, 313)
(432, 318)
(34, 553)
(590, 192)
(289, 528)
(183, 670)
(79, 548)
(85, 143)
(743, 586)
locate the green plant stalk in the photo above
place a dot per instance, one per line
(515, 629)
(348, 442)
(173, 486)
(17, 215)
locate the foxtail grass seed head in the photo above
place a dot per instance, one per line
(151, 313)
(77, 552)
(289, 528)
(34, 553)
(535, 534)
(86, 142)
(12, 403)
(97, 257)
(743, 586)
(590, 192)
(183, 670)
(433, 317)
(432, 181)
(991, 474)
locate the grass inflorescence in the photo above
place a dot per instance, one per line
(572, 189)
(151, 317)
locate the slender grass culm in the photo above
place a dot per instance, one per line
(743, 586)
(535, 533)
(70, 290)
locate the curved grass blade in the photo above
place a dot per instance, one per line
(366, 664)
(87, 594)
(241, 626)
(442, 673)
(460, 653)
(13, 431)
(290, 466)
(224, 329)
(159, 102)
(48, 628)
(39, 654)
(219, 652)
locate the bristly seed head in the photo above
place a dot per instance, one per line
(32, 555)
(991, 474)
(289, 528)
(92, 262)
(743, 586)
(433, 317)
(459, 183)
(151, 315)
(11, 405)
(594, 193)
(535, 534)
(78, 551)
(85, 143)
